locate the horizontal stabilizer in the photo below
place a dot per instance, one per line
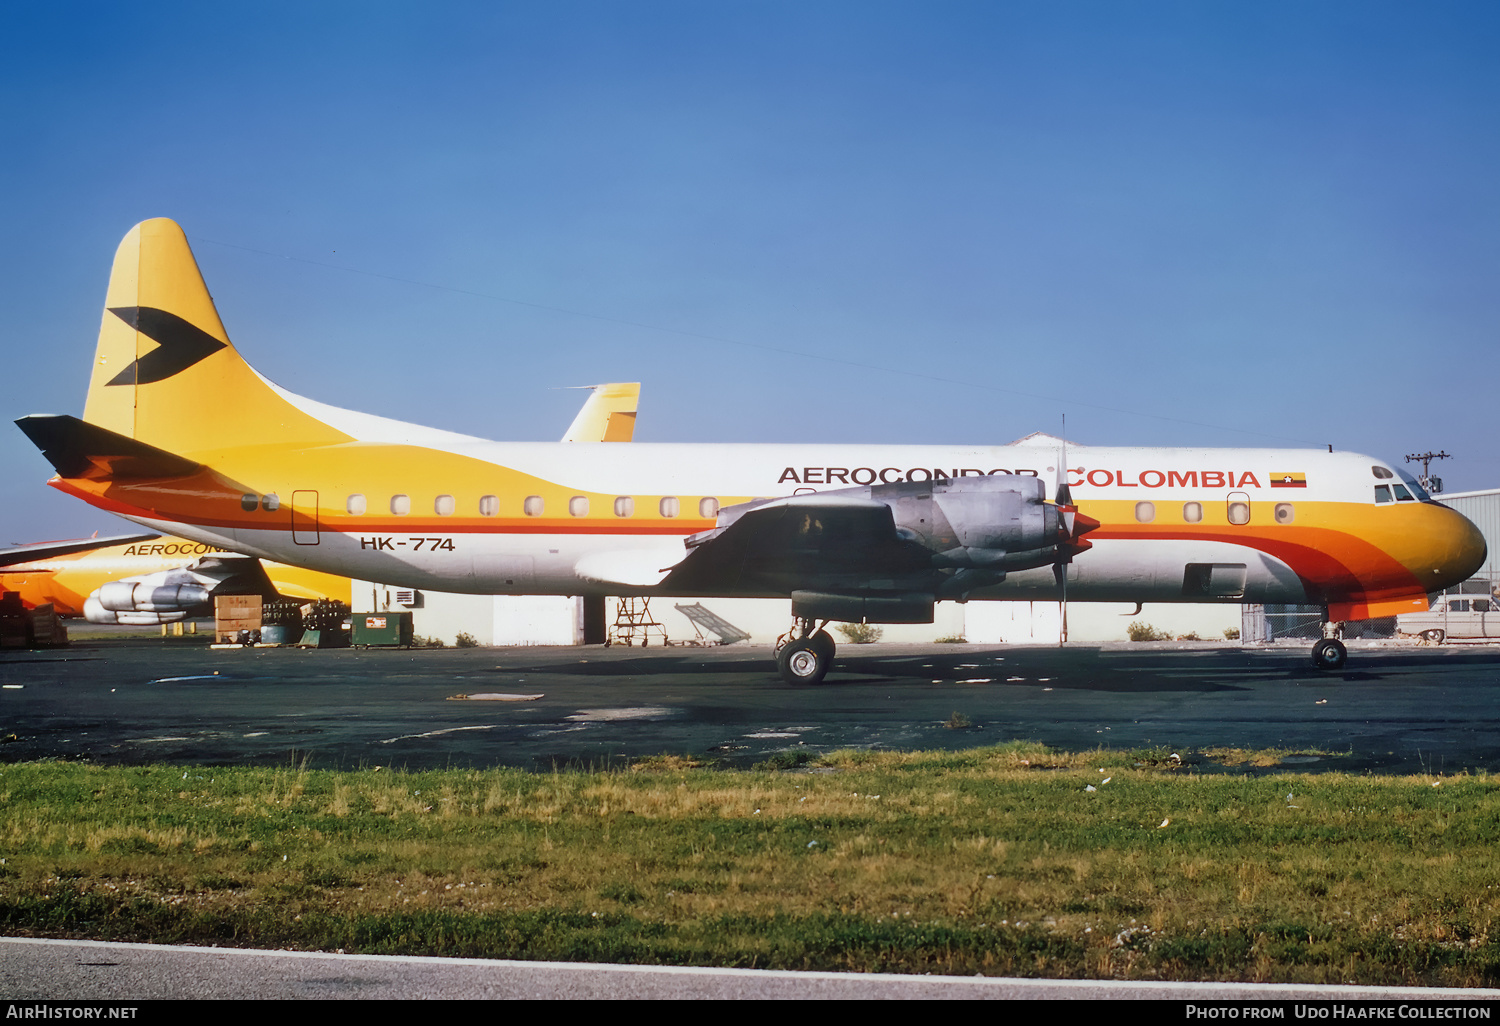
(76, 448)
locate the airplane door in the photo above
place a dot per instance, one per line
(305, 518)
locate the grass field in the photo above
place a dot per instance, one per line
(1006, 861)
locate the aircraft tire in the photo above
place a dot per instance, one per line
(1435, 636)
(802, 662)
(1329, 654)
(825, 644)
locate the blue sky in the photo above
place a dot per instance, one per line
(1207, 223)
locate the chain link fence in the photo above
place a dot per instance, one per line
(1272, 622)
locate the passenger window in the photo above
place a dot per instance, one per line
(533, 506)
(1458, 605)
(249, 502)
(708, 507)
(624, 506)
(271, 502)
(1481, 605)
(356, 505)
(670, 506)
(400, 505)
(578, 506)
(489, 506)
(1382, 493)
(1145, 512)
(1402, 495)
(1285, 514)
(1239, 508)
(444, 505)
(1192, 512)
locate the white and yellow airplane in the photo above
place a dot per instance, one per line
(179, 434)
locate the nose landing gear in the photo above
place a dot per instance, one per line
(1330, 653)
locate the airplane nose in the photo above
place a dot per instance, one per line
(1458, 549)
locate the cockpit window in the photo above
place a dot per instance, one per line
(1402, 495)
(1382, 473)
(1382, 493)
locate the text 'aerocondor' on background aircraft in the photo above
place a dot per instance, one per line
(858, 533)
(145, 579)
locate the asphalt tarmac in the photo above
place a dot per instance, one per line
(115, 700)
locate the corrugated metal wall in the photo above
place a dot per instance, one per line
(1484, 509)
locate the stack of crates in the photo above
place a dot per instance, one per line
(235, 613)
(47, 628)
(13, 632)
(27, 628)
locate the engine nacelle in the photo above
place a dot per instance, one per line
(994, 524)
(93, 612)
(148, 596)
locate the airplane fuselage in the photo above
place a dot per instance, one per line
(1235, 525)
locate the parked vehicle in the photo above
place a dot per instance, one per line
(1453, 617)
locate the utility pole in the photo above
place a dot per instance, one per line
(1432, 484)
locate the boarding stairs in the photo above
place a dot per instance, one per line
(706, 619)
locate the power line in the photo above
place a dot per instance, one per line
(762, 347)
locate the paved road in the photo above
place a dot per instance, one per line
(82, 971)
(112, 700)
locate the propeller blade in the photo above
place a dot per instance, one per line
(1063, 495)
(1060, 574)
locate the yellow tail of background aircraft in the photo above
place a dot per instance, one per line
(179, 434)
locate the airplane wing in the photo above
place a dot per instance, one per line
(885, 551)
(820, 542)
(829, 541)
(49, 550)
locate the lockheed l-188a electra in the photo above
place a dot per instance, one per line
(180, 435)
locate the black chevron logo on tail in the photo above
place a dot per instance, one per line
(179, 345)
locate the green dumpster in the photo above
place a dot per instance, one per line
(381, 629)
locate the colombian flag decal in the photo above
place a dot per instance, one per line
(1288, 480)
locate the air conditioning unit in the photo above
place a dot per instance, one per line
(408, 597)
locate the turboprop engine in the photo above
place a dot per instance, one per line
(985, 523)
(149, 599)
(93, 612)
(983, 527)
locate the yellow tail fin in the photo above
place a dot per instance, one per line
(165, 372)
(608, 415)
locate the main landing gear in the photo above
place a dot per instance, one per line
(1330, 653)
(804, 653)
